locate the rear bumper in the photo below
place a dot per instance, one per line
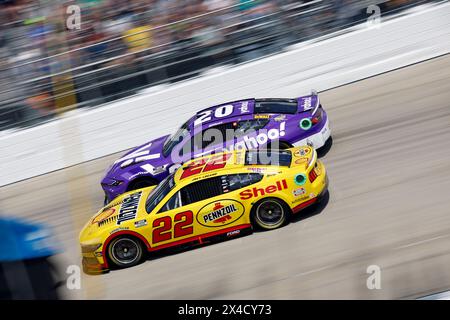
(310, 202)
(318, 139)
(319, 187)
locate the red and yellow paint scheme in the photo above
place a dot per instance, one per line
(209, 198)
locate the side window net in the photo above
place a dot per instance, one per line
(201, 190)
(234, 182)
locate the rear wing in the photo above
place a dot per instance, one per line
(304, 156)
(309, 102)
(317, 105)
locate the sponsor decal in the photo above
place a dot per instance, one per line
(280, 118)
(137, 175)
(220, 213)
(119, 229)
(129, 207)
(244, 107)
(257, 192)
(204, 177)
(300, 199)
(257, 170)
(262, 116)
(307, 103)
(301, 161)
(272, 174)
(312, 195)
(104, 215)
(233, 233)
(264, 136)
(140, 223)
(301, 152)
(298, 192)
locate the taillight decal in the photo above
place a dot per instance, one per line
(312, 175)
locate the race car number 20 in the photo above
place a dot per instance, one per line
(220, 112)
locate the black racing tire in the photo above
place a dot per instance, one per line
(270, 213)
(125, 251)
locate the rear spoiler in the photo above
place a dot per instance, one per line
(316, 107)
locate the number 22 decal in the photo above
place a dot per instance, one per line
(202, 165)
(162, 227)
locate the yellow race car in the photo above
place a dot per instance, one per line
(207, 199)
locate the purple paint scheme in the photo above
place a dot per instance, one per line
(292, 122)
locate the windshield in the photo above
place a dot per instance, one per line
(175, 139)
(159, 193)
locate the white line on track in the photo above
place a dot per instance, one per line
(421, 242)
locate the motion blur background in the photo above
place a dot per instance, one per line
(125, 49)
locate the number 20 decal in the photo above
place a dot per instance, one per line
(162, 227)
(220, 112)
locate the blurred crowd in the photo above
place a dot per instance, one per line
(53, 60)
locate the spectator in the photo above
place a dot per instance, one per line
(117, 37)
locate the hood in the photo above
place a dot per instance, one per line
(118, 215)
(148, 155)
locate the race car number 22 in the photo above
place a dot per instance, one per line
(182, 226)
(202, 166)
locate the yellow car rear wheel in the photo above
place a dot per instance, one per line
(270, 213)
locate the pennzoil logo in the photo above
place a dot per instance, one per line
(220, 213)
(129, 207)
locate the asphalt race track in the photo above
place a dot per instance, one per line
(389, 205)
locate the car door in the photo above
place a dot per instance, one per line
(175, 222)
(211, 140)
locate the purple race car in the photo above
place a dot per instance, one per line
(245, 124)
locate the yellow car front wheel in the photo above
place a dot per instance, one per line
(270, 213)
(125, 252)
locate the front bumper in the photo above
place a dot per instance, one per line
(111, 192)
(92, 265)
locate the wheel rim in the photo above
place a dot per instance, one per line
(125, 251)
(270, 213)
